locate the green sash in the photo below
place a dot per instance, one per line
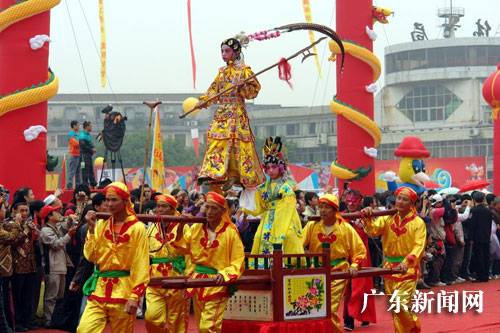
(205, 270)
(91, 284)
(179, 263)
(394, 259)
(335, 262)
(200, 269)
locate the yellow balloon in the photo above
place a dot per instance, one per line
(98, 162)
(188, 104)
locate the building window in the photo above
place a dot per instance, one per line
(292, 129)
(271, 130)
(312, 128)
(429, 103)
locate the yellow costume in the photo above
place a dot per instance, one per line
(230, 143)
(223, 255)
(346, 249)
(276, 204)
(167, 310)
(121, 272)
(403, 241)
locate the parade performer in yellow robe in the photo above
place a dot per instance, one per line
(216, 252)
(118, 248)
(403, 238)
(167, 310)
(347, 250)
(276, 204)
(230, 155)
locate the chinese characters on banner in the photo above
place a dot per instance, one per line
(431, 302)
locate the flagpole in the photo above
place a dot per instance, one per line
(151, 106)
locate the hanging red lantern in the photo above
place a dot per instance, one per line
(491, 91)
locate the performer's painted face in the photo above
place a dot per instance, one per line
(353, 201)
(273, 171)
(227, 53)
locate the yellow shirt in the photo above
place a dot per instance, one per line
(127, 251)
(162, 244)
(403, 241)
(224, 254)
(345, 242)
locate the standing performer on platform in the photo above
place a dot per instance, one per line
(276, 204)
(357, 288)
(403, 238)
(230, 157)
(119, 249)
(216, 252)
(347, 251)
(167, 310)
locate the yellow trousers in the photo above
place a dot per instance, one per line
(404, 321)
(208, 315)
(97, 315)
(166, 311)
(337, 287)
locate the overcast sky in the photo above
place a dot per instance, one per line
(148, 48)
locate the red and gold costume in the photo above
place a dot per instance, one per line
(403, 239)
(222, 255)
(230, 142)
(121, 269)
(346, 250)
(167, 310)
(354, 298)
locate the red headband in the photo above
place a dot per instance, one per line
(114, 188)
(407, 192)
(169, 199)
(216, 198)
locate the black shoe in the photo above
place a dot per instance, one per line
(365, 323)
(348, 324)
(32, 326)
(21, 329)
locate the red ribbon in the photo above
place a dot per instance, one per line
(285, 71)
(193, 60)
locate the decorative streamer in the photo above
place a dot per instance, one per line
(103, 43)
(308, 16)
(193, 60)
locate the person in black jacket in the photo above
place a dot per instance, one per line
(87, 149)
(480, 233)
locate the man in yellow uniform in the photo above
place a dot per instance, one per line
(347, 250)
(167, 310)
(216, 252)
(404, 237)
(118, 248)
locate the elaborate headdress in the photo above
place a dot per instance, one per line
(273, 151)
(235, 45)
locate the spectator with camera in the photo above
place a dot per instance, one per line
(24, 279)
(54, 236)
(438, 236)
